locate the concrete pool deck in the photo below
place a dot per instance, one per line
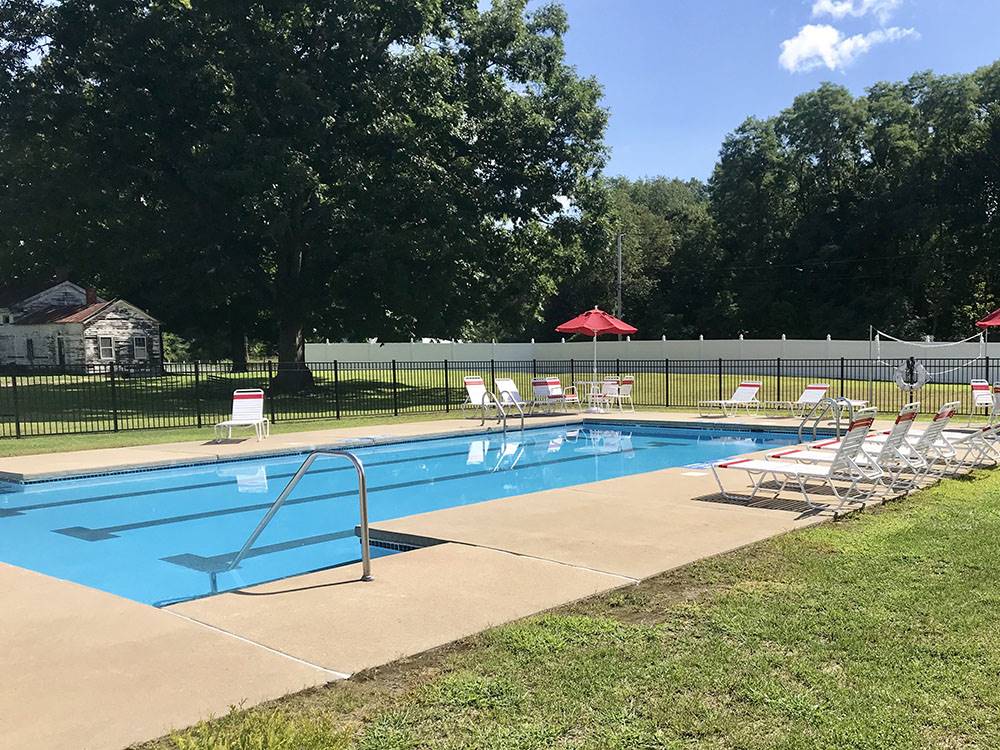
(92, 670)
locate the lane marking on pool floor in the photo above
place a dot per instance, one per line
(336, 675)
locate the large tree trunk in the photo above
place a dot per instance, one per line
(293, 375)
(238, 345)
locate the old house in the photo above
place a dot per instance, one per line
(64, 324)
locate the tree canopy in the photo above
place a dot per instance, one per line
(267, 168)
(838, 212)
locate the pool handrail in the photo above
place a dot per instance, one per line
(827, 404)
(490, 398)
(366, 563)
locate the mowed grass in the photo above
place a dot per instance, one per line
(880, 631)
(60, 443)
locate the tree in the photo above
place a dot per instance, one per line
(337, 164)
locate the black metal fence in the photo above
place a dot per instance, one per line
(54, 402)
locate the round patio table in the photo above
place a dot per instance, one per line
(593, 391)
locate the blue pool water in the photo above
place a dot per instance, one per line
(162, 536)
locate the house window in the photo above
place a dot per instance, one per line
(29, 348)
(107, 347)
(139, 349)
(6, 318)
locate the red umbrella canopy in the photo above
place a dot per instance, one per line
(595, 322)
(990, 321)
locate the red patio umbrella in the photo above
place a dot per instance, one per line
(990, 321)
(595, 323)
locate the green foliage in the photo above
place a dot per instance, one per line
(266, 168)
(837, 213)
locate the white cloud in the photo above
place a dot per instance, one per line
(821, 44)
(881, 9)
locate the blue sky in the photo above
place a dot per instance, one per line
(680, 74)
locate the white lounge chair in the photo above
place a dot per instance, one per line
(508, 394)
(476, 394)
(843, 468)
(744, 397)
(547, 392)
(928, 444)
(891, 456)
(248, 411)
(811, 395)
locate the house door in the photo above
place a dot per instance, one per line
(60, 350)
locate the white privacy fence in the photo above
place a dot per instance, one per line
(610, 349)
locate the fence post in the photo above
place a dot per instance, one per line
(666, 382)
(618, 368)
(395, 391)
(779, 379)
(447, 390)
(534, 369)
(572, 372)
(197, 392)
(17, 410)
(987, 368)
(114, 399)
(493, 374)
(720, 379)
(842, 377)
(271, 396)
(336, 389)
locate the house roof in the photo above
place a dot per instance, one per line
(11, 295)
(63, 314)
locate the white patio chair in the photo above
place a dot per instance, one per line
(607, 395)
(811, 395)
(248, 411)
(508, 394)
(982, 397)
(621, 393)
(844, 468)
(547, 392)
(744, 397)
(476, 394)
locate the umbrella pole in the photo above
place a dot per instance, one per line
(595, 357)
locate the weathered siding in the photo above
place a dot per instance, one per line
(122, 323)
(44, 338)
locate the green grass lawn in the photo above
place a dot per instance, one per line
(876, 632)
(59, 443)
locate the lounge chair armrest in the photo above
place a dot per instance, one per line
(569, 390)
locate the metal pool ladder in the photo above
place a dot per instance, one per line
(837, 406)
(366, 562)
(490, 398)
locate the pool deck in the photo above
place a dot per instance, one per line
(87, 669)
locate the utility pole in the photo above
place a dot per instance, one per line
(618, 307)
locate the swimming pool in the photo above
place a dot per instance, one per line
(166, 535)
